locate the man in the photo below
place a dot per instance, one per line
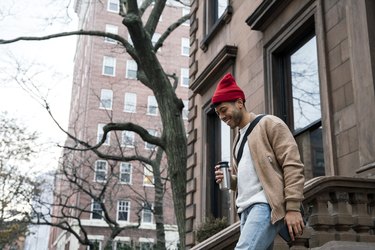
(269, 177)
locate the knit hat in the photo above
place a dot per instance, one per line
(227, 90)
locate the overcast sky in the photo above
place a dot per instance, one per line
(49, 65)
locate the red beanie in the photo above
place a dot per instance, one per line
(227, 90)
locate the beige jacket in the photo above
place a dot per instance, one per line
(278, 165)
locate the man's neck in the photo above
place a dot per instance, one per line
(245, 120)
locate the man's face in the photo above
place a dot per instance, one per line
(229, 113)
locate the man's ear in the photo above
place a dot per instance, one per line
(239, 103)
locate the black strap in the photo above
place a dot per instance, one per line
(244, 140)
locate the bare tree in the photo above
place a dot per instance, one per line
(172, 139)
(17, 189)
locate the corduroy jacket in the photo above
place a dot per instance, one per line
(277, 163)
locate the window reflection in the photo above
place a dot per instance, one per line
(221, 6)
(305, 85)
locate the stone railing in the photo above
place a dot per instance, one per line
(340, 211)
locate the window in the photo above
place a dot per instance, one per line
(100, 171)
(106, 96)
(215, 9)
(186, 11)
(123, 210)
(185, 111)
(97, 211)
(125, 172)
(146, 245)
(128, 138)
(122, 245)
(110, 29)
(148, 176)
(109, 66)
(152, 106)
(217, 14)
(185, 46)
(131, 69)
(184, 77)
(149, 145)
(147, 214)
(101, 133)
(113, 6)
(97, 245)
(130, 102)
(293, 72)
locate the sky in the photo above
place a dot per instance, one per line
(47, 67)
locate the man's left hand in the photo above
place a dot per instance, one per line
(295, 224)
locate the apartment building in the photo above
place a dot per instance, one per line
(106, 90)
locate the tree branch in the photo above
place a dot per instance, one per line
(169, 30)
(129, 48)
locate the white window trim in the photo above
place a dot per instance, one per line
(100, 134)
(104, 65)
(149, 169)
(152, 216)
(101, 102)
(149, 98)
(123, 144)
(106, 171)
(154, 133)
(113, 11)
(185, 40)
(185, 11)
(108, 28)
(92, 213)
(118, 210)
(135, 102)
(182, 77)
(130, 174)
(127, 67)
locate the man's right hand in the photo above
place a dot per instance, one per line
(218, 174)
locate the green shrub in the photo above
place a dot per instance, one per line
(210, 227)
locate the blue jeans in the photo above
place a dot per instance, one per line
(257, 231)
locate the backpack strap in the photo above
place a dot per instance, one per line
(244, 140)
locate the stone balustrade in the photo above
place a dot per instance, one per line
(339, 211)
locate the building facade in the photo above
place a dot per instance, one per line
(311, 63)
(98, 195)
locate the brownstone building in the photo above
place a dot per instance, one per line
(311, 63)
(105, 90)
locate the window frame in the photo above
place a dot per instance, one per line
(151, 213)
(130, 173)
(102, 100)
(96, 170)
(131, 66)
(125, 134)
(100, 134)
(108, 28)
(92, 210)
(126, 207)
(184, 75)
(107, 63)
(148, 145)
(130, 95)
(147, 173)
(150, 101)
(185, 44)
(279, 89)
(113, 2)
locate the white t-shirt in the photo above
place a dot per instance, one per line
(250, 190)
